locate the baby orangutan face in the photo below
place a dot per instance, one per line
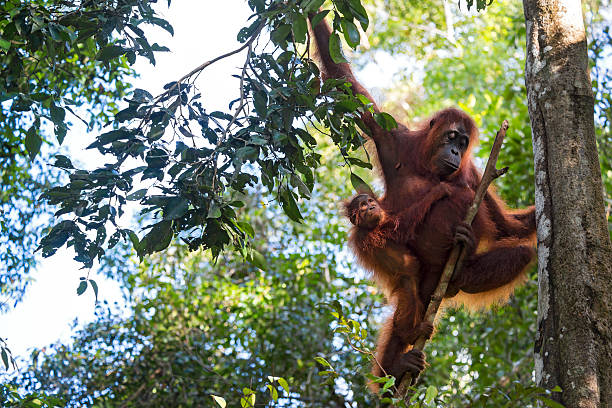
(365, 212)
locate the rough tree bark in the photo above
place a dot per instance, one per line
(574, 344)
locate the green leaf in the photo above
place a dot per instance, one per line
(299, 28)
(335, 49)
(280, 33)
(214, 211)
(162, 23)
(60, 132)
(296, 181)
(176, 208)
(110, 137)
(246, 228)
(134, 240)
(550, 403)
(219, 400)
(351, 34)
(361, 186)
(430, 394)
(385, 121)
(283, 383)
(313, 5)
(318, 17)
(57, 114)
(110, 51)
(290, 206)
(323, 362)
(4, 44)
(94, 285)
(158, 238)
(137, 195)
(5, 359)
(388, 384)
(82, 287)
(273, 392)
(260, 101)
(258, 260)
(33, 142)
(359, 13)
(63, 162)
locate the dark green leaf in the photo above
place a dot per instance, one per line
(137, 195)
(5, 359)
(109, 52)
(351, 34)
(214, 211)
(280, 33)
(299, 28)
(319, 17)
(176, 208)
(260, 101)
(63, 162)
(335, 49)
(313, 5)
(360, 186)
(32, 142)
(158, 238)
(60, 132)
(359, 13)
(162, 23)
(258, 260)
(94, 285)
(385, 121)
(290, 206)
(5, 45)
(82, 287)
(57, 114)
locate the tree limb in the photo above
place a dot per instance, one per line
(455, 259)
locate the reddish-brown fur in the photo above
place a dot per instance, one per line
(408, 262)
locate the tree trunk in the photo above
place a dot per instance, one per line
(574, 344)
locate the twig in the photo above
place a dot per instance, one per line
(455, 259)
(199, 69)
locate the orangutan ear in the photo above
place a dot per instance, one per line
(431, 123)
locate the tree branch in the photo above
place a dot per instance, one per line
(200, 68)
(455, 259)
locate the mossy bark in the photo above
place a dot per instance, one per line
(574, 344)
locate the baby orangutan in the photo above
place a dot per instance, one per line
(379, 240)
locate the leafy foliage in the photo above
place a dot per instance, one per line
(10, 397)
(51, 65)
(199, 328)
(193, 163)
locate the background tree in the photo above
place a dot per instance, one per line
(575, 257)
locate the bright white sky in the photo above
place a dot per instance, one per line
(203, 30)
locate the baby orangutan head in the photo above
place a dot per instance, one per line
(364, 211)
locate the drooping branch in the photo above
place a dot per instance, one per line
(248, 44)
(455, 259)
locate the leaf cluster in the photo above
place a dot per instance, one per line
(186, 166)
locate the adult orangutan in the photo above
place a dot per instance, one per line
(408, 258)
